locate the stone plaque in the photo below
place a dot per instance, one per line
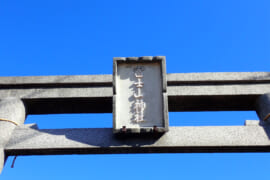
(140, 101)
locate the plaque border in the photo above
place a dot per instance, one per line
(144, 130)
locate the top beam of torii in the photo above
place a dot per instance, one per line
(186, 92)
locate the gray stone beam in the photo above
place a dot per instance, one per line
(93, 93)
(251, 77)
(249, 138)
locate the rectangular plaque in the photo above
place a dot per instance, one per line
(140, 95)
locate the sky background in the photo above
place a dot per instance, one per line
(57, 37)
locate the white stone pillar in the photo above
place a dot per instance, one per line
(12, 113)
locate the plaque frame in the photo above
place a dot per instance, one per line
(147, 60)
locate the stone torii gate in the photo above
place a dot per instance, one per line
(21, 96)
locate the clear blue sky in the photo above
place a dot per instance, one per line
(57, 37)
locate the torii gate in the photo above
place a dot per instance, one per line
(21, 96)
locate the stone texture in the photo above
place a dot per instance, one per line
(186, 92)
(11, 109)
(153, 90)
(56, 80)
(252, 123)
(28, 141)
(152, 96)
(1, 159)
(223, 77)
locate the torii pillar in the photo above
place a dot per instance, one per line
(12, 114)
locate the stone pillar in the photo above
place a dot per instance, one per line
(12, 113)
(263, 108)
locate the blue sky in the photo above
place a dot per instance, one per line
(81, 37)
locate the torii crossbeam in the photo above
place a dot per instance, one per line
(21, 96)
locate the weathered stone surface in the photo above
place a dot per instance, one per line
(139, 90)
(53, 80)
(2, 157)
(186, 92)
(218, 90)
(11, 109)
(252, 123)
(224, 77)
(28, 141)
(219, 77)
(12, 113)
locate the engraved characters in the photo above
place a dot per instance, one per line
(139, 105)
